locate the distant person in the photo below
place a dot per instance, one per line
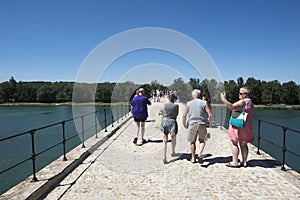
(136, 93)
(169, 111)
(139, 112)
(154, 95)
(157, 95)
(240, 136)
(199, 117)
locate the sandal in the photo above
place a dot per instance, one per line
(134, 140)
(165, 161)
(200, 160)
(193, 161)
(232, 166)
(144, 141)
(244, 165)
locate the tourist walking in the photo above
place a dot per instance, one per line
(169, 111)
(196, 117)
(239, 137)
(139, 111)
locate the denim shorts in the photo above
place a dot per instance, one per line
(169, 126)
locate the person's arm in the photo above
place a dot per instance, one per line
(148, 102)
(210, 116)
(184, 122)
(177, 109)
(131, 108)
(161, 109)
(232, 106)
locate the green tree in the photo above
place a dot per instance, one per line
(204, 88)
(232, 90)
(271, 92)
(26, 92)
(46, 93)
(290, 93)
(83, 93)
(183, 89)
(240, 82)
(256, 88)
(8, 90)
(155, 85)
(195, 83)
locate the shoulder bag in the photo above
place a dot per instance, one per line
(238, 119)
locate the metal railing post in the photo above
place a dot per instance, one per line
(112, 119)
(82, 133)
(118, 113)
(122, 110)
(33, 156)
(96, 125)
(221, 127)
(283, 148)
(105, 121)
(64, 140)
(258, 137)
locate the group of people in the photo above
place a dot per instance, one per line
(156, 95)
(197, 116)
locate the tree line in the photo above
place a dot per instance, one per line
(262, 92)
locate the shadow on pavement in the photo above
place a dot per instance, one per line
(212, 161)
(156, 141)
(266, 163)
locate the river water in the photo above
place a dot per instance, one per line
(19, 119)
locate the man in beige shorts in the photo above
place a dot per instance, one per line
(199, 117)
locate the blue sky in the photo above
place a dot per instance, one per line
(49, 40)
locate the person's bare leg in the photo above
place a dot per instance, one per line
(164, 146)
(193, 150)
(235, 152)
(137, 129)
(244, 152)
(173, 144)
(201, 148)
(142, 130)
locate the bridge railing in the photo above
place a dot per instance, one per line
(122, 110)
(284, 148)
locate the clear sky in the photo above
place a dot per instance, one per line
(48, 40)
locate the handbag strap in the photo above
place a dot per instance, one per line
(244, 106)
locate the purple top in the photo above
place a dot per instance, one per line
(139, 104)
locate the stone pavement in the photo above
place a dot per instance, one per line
(118, 169)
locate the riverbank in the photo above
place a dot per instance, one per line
(55, 104)
(272, 107)
(269, 107)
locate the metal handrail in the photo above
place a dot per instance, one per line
(284, 148)
(64, 141)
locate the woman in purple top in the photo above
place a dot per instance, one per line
(139, 111)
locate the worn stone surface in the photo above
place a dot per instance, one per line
(118, 169)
